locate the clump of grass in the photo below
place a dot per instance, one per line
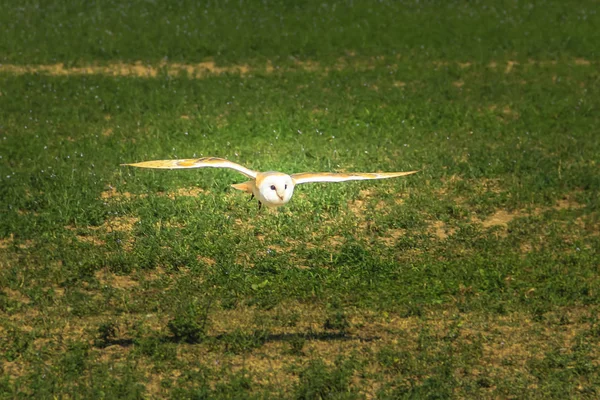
(107, 334)
(187, 328)
(396, 361)
(157, 348)
(238, 341)
(337, 320)
(318, 381)
(15, 344)
(296, 345)
(191, 322)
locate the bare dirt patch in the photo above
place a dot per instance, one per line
(589, 223)
(308, 65)
(504, 112)
(508, 343)
(392, 235)
(108, 278)
(568, 203)
(91, 240)
(186, 192)
(206, 260)
(137, 69)
(210, 67)
(16, 295)
(502, 218)
(121, 224)
(91, 234)
(499, 218)
(13, 369)
(113, 193)
(440, 230)
(509, 66)
(8, 242)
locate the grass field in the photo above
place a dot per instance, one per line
(478, 277)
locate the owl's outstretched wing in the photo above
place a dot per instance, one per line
(307, 177)
(210, 162)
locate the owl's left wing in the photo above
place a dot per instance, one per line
(307, 177)
(212, 162)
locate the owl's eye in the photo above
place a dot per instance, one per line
(272, 187)
(285, 186)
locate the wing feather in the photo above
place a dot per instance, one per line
(210, 162)
(307, 177)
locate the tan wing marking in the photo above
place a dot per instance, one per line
(259, 179)
(211, 162)
(307, 177)
(260, 176)
(244, 186)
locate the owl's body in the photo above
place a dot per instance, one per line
(273, 189)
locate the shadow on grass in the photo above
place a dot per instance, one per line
(243, 339)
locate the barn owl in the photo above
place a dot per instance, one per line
(273, 189)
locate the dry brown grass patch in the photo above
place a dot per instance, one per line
(308, 65)
(16, 295)
(9, 241)
(509, 66)
(105, 277)
(589, 223)
(504, 112)
(137, 69)
(113, 194)
(499, 218)
(210, 68)
(186, 192)
(91, 240)
(568, 203)
(121, 224)
(206, 260)
(582, 61)
(117, 224)
(507, 340)
(440, 230)
(391, 236)
(12, 369)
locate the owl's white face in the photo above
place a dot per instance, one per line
(275, 189)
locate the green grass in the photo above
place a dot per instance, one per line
(75, 31)
(476, 278)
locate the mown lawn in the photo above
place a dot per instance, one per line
(478, 277)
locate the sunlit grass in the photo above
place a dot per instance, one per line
(476, 277)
